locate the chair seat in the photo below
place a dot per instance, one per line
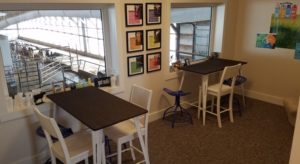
(78, 144)
(214, 89)
(123, 129)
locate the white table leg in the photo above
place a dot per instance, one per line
(142, 142)
(98, 148)
(54, 109)
(204, 95)
(182, 79)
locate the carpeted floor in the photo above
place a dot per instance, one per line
(262, 135)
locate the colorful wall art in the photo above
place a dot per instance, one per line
(153, 62)
(286, 24)
(134, 14)
(135, 41)
(153, 39)
(135, 65)
(266, 41)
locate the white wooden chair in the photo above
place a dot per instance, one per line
(218, 90)
(70, 150)
(125, 131)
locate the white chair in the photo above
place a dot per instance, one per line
(125, 131)
(70, 150)
(218, 90)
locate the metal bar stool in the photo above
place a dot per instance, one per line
(183, 112)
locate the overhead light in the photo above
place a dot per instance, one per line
(2, 14)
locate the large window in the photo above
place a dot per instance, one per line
(65, 28)
(48, 46)
(190, 33)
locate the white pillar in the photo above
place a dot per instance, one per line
(5, 59)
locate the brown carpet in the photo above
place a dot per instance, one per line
(262, 135)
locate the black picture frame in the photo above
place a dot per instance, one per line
(135, 41)
(153, 39)
(153, 62)
(134, 14)
(135, 65)
(153, 13)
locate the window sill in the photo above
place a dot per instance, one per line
(25, 112)
(113, 90)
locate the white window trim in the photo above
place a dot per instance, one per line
(174, 75)
(116, 90)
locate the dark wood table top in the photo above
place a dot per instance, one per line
(96, 108)
(211, 65)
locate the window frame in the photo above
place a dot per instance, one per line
(212, 27)
(106, 34)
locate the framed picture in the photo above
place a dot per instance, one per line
(153, 39)
(153, 62)
(134, 14)
(153, 13)
(135, 65)
(135, 41)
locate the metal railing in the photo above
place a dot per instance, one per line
(50, 70)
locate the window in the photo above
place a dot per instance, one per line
(190, 33)
(37, 38)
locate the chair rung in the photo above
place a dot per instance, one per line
(193, 103)
(215, 113)
(124, 150)
(211, 112)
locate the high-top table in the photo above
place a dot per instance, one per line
(98, 109)
(206, 68)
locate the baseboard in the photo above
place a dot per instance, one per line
(156, 115)
(264, 97)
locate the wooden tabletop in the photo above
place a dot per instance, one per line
(210, 66)
(96, 108)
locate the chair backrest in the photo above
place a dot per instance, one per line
(51, 130)
(141, 97)
(230, 72)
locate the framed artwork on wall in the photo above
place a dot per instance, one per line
(153, 62)
(153, 13)
(135, 41)
(134, 14)
(153, 38)
(135, 65)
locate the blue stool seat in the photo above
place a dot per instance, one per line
(184, 112)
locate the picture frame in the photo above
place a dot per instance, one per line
(134, 14)
(153, 13)
(135, 41)
(153, 62)
(135, 65)
(153, 38)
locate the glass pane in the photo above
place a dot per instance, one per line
(194, 33)
(52, 34)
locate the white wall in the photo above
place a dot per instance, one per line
(272, 73)
(3, 86)
(155, 81)
(218, 38)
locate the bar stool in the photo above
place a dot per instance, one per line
(177, 105)
(240, 80)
